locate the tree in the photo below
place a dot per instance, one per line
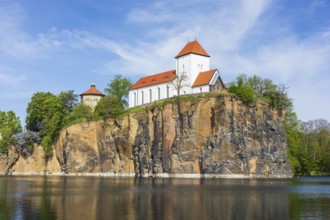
(248, 88)
(9, 124)
(37, 110)
(10, 120)
(109, 107)
(241, 88)
(178, 82)
(119, 87)
(69, 100)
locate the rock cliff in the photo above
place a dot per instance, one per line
(213, 136)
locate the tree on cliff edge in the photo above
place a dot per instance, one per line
(119, 87)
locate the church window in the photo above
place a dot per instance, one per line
(158, 93)
(167, 91)
(134, 98)
(142, 97)
(150, 91)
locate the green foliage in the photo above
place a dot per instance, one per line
(109, 107)
(248, 88)
(46, 144)
(309, 153)
(5, 139)
(68, 100)
(48, 113)
(119, 87)
(37, 111)
(9, 124)
(10, 120)
(79, 114)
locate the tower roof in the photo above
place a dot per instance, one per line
(92, 91)
(193, 47)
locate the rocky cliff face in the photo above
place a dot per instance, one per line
(212, 136)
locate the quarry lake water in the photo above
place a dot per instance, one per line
(56, 197)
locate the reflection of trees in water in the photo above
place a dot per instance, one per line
(153, 198)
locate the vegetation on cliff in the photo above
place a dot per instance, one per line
(10, 124)
(308, 143)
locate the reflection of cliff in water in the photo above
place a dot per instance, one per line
(147, 198)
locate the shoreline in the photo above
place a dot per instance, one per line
(162, 175)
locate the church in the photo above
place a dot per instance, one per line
(192, 75)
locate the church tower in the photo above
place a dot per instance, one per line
(192, 60)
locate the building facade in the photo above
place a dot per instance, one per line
(191, 64)
(91, 96)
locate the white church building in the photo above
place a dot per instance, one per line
(192, 61)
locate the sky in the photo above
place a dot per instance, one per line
(65, 45)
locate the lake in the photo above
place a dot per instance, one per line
(55, 197)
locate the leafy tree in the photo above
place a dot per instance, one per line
(81, 111)
(9, 124)
(247, 88)
(37, 110)
(69, 100)
(109, 107)
(242, 89)
(46, 113)
(119, 87)
(5, 139)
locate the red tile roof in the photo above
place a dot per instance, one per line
(204, 78)
(92, 91)
(155, 79)
(192, 47)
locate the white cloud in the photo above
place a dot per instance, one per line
(8, 77)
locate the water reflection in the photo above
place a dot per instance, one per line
(133, 198)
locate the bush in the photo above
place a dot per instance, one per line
(24, 142)
(46, 143)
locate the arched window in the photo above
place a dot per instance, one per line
(142, 97)
(158, 93)
(150, 92)
(134, 98)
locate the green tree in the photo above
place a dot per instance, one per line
(10, 120)
(69, 100)
(109, 107)
(79, 113)
(247, 88)
(241, 88)
(46, 113)
(119, 87)
(9, 125)
(37, 111)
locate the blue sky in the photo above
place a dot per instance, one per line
(65, 45)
